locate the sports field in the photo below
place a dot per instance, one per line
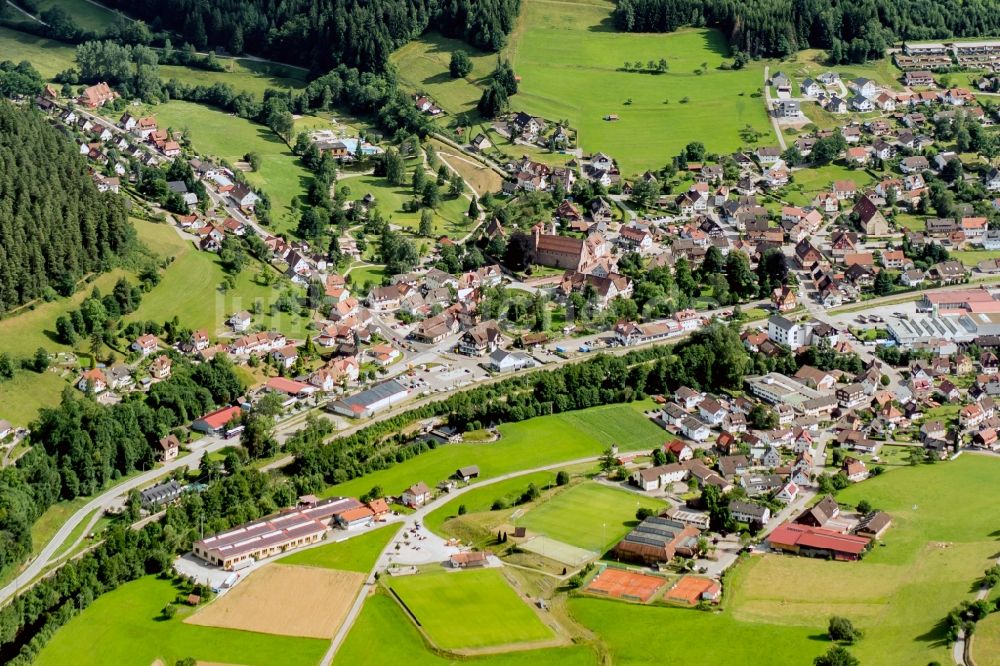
(285, 600)
(588, 515)
(469, 609)
(534, 443)
(384, 634)
(358, 553)
(124, 628)
(623, 584)
(568, 55)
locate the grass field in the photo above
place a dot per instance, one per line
(355, 554)
(87, 15)
(568, 56)
(634, 634)
(481, 178)
(588, 515)
(565, 436)
(479, 500)
(189, 288)
(48, 56)
(123, 627)
(807, 183)
(986, 641)
(217, 133)
(423, 67)
(383, 634)
(363, 274)
(449, 217)
(244, 75)
(469, 609)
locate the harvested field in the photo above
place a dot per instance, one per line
(557, 550)
(628, 585)
(688, 590)
(286, 600)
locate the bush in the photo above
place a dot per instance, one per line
(842, 629)
(461, 509)
(562, 478)
(864, 506)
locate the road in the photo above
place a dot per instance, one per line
(767, 108)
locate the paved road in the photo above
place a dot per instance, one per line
(767, 108)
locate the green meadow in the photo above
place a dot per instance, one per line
(538, 442)
(568, 56)
(357, 553)
(124, 627)
(48, 57)
(423, 67)
(384, 634)
(88, 15)
(469, 609)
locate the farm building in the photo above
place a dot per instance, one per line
(658, 540)
(469, 560)
(417, 495)
(367, 403)
(276, 534)
(818, 542)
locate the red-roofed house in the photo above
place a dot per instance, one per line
(818, 542)
(216, 422)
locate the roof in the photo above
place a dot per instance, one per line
(289, 386)
(419, 488)
(792, 534)
(220, 417)
(360, 401)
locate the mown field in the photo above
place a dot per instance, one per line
(588, 515)
(807, 183)
(358, 553)
(986, 642)
(423, 67)
(449, 216)
(383, 634)
(469, 609)
(534, 443)
(48, 57)
(124, 627)
(87, 15)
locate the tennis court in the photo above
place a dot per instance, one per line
(628, 585)
(561, 552)
(691, 590)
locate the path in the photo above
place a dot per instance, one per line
(32, 17)
(767, 108)
(958, 650)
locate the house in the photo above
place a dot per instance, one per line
(469, 559)
(864, 87)
(467, 473)
(97, 95)
(160, 367)
(240, 321)
(416, 495)
(505, 361)
(160, 494)
(820, 514)
(786, 332)
(947, 272)
(855, 470)
(787, 109)
(145, 344)
(768, 154)
(286, 356)
(914, 164)
(810, 88)
(480, 340)
(749, 513)
(923, 79)
(781, 83)
(870, 218)
(788, 493)
(873, 525)
(170, 446)
(93, 380)
(844, 189)
(783, 298)
(244, 196)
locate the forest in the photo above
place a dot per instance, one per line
(321, 34)
(851, 30)
(55, 227)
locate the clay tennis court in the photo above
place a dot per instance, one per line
(623, 584)
(288, 600)
(688, 590)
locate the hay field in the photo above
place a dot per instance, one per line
(286, 600)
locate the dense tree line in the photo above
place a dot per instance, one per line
(852, 30)
(55, 227)
(321, 34)
(80, 447)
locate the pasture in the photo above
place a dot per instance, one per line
(286, 600)
(244, 75)
(384, 634)
(124, 627)
(541, 441)
(48, 56)
(986, 641)
(358, 553)
(469, 609)
(569, 57)
(88, 15)
(423, 67)
(588, 515)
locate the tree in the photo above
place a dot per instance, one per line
(609, 460)
(742, 281)
(842, 629)
(763, 418)
(395, 167)
(6, 367)
(473, 212)
(504, 75)
(642, 513)
(254, 160)
(836, 656)
(426, 222)
(562, 478)
(883, 283)
(168, 611)
(460, 65)
(40, 362)
(493, 101)
(864, 506)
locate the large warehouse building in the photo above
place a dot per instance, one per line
(368, 403)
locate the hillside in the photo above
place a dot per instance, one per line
(55, 226)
